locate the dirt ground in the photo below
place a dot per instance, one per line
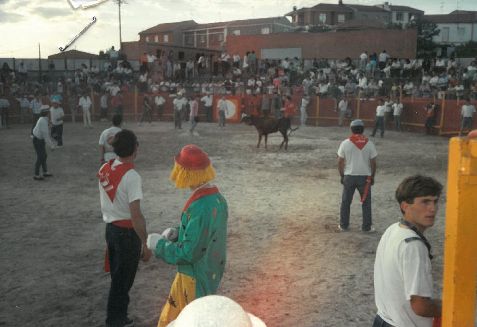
(286, 262)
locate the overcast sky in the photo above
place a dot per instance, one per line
(53, 23)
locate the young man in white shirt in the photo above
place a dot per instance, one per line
(467, 113)
(41, 136)
(357, 167)
(106, 138)
(85, 104)
(403, 284)
(120, 189)
(179, 104)
(379, 123)
(342, 108)
(397, 111)
(207, 100)
(159, 101)
(57, 114)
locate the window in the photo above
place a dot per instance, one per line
(341, 18)
(399, 16)
(147, 38)
(202, 39)
(445, 34)
(265, 30)
(189, 39)
(461, 31)
(220, 37)
(156, 38)
(166, 38)
(181, 55)
(322, 18)
(236, 32)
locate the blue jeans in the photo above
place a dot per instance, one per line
(350, 184)
(124, 248)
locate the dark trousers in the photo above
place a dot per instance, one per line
(124, 247)
(178, 119)
(379, 322)
(350, 184)
(208, 112)
(57, 133)
(379, 124)
(4, 117)
(40, 149)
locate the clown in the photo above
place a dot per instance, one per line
(198, 245)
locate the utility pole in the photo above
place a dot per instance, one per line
(39, 63)
(119, 2)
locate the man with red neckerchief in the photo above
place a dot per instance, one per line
(120, 190)
(198, 246)
(357, 166)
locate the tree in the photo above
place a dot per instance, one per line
(426, 47)
(466, 50)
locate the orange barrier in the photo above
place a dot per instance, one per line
(321, 111)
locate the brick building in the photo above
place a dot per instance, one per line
(329, 45)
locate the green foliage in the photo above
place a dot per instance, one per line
(426, 48)
(466, 50)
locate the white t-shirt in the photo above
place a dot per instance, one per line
(467, 110)
(356, 160)
(159, 100)
(207, 100)
(129, 190)
(380, 110)
(401, 269)
(397, 109)
(343, 105)
(106, 136)
(56, 115)
(85, 102)
(179, 104)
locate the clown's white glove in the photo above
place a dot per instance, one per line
(170, 234)
(152, 240)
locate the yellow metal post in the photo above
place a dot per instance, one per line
(460, 253)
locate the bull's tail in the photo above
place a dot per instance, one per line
(292, 130)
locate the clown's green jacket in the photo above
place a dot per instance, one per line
(200, 251)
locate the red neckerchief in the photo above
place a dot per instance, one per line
(199, 194)
(110, 177)
(359, 140)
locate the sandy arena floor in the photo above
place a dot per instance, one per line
(286, 262)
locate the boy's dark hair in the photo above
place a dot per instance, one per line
(357, 129)
(117, 120)
(417, 186)
(124, 143)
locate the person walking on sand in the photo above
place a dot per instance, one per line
(403, 285)
(357, 167)
(194, 113)
(41, 136)
(120, 189)
(198, 246)
(85, 104)
(222, 109)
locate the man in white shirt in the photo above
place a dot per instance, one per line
(207, 100)
(397, 111)
(57, 114)
(342, 108)
(222, 110)
(357, 167)
(403, 285)
(41, 136)
(467, 113)
(120, 189)
(159, 101)
(85, 104)
(106, 138)
(379, 122)
(303, 107)
(179, 104)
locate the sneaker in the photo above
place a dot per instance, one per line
(128, 323)
(38, 178)
(371, 230)
(47, 175)
(342, 229)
